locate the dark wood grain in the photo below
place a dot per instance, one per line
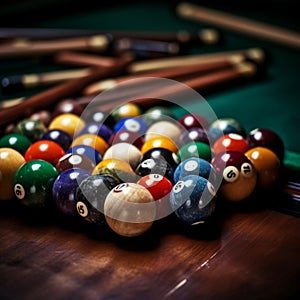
(245, 255)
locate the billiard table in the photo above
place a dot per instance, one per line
(249, 252)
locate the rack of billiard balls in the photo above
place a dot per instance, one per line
(135, 167)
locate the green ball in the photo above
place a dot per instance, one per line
(33, 184)
(194, 149)
(15, 141)
(32, 129)
(156, 114)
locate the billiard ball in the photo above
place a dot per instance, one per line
(193, 199)
(195, 149)
(58, 136)
(33, 184)
(72, 160)
(68, 106)
(91, 140)
(164, 154)
(126, 152)
(45, 150)
(193, 135)
(43, 116)
(195, 166)
(98, 129)
(91, 195)
(160, 188)
(33, 130)
(129, 209)
(125, 111)
(64, 190)
(239, 176)
(157, 113)
(155, 166)
(224, 126)
(15, 141)
(167, 129)
(267, 165)
(264, 137)
(68, 122)
(191, 120)
(125, 136)
(135, 124)
(230, 141)
(120, 169)
(159, 142)
(10, 161)
(95, 114)
(88, 151)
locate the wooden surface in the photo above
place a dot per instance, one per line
(245, 255)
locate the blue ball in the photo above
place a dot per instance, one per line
(135, 124)
(98, 129)
(58, 136)
(193, 199)
(88, 151)
(194, 166)
(65, 188)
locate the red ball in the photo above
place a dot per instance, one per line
(230, 142)
(45, 150)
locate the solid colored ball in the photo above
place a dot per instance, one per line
(135, 124)
(267, 165)
(264, 137)
(193, 199)
(98, 129)
(33, 130)
(231, 141)
(72, 160)
(195, 166)
(125, 111)
(91, 195)
(194, 149)
(125, 136)
(191, 120)
(224, 126)
(10, 161)
(120, 169)
(167, 129)
(91, 140)
(58, 136)
(68, 122)
(239, 176)
(87, 151)
(155, 166)
(15, 141)
(43, 116)
(157, 113)
(33, 184)
(68, 106)
(159, 142)
(64, 190)
(129, 209)
(193, 135)
(45, 150)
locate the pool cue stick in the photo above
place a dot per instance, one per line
(172, 73)
(239, 24)
(97, 43)
(147, 93)
(27, 81)
(64, 90)
(205, 36)
(72, 58)
(10, 102)
(256, 54)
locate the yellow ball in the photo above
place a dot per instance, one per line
(125, 111)
(10, 161)
(67, 122)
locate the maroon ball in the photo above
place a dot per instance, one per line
(193, 120)
(73, 160)
(125, 136)
(264, 137)
(195, 134)
(68, 106)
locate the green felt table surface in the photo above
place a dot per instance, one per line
(273, 101)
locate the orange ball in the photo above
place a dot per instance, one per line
(10, 161)
(266, 164)
(69, 123)
(91, 140)
(159, 142)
